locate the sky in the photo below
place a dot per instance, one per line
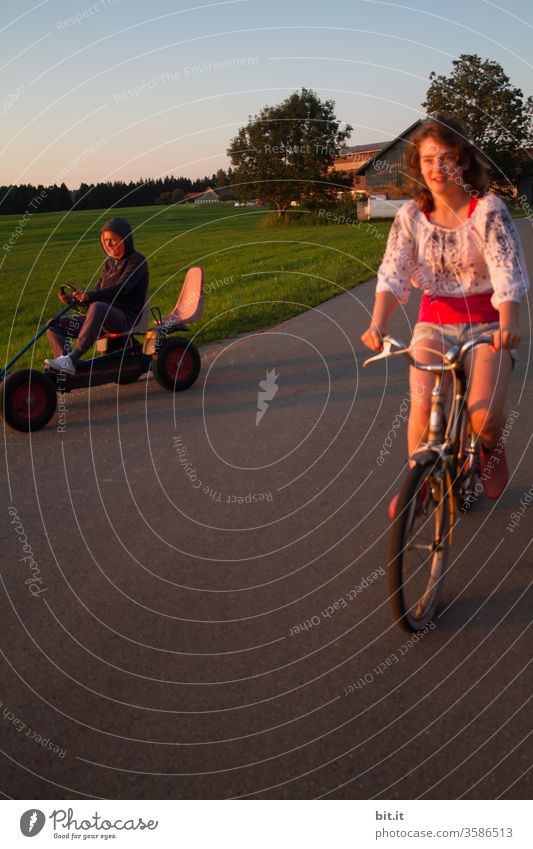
(119, 89)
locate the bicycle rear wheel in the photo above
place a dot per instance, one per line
(418, 546)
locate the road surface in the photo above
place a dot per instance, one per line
(194, 603)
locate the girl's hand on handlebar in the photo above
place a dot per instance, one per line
(373, 338)
(505, 338)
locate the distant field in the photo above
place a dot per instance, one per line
(256, 276)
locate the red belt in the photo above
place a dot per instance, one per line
(466, 310)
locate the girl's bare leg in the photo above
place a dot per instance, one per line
(421, 384)
(488, 372)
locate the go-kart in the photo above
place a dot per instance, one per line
(28, 397)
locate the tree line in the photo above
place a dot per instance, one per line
(142, 192)
(286, 154)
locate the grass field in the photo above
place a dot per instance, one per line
(255, 275)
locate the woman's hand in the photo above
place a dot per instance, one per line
(80, 296)
(384, 306)
(373, 338)
(508, 335)
(505, 338)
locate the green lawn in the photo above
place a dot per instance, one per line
(256, 276)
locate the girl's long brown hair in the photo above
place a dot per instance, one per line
(475, 177)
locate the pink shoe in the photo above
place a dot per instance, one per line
(494, 471)
(393, 505)
(422, 493)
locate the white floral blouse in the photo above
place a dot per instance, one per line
(482, 255)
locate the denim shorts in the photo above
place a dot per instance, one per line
(455, 334)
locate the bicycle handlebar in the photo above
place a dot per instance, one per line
(453, 357)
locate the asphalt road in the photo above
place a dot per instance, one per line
(160, 650)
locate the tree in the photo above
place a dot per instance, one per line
(223, 181)
(221, 178)
(283, 154)
(478, 93)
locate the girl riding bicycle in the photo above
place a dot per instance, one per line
(457, 243)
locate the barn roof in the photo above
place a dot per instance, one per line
(390, 144)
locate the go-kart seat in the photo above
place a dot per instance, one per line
(189, 307)
(190, 304)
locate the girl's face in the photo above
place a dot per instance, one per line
(439, 166)
(113, 244)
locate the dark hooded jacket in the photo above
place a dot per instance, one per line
(124, 282)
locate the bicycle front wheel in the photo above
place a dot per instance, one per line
(418, 546)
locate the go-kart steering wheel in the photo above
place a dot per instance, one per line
(72, 302)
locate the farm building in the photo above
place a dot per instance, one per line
(209, 196)
(351, 159)
(386, 172)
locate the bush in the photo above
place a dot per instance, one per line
(294, 215)
(314, 215)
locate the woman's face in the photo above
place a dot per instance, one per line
(113, 244)
(439, 166)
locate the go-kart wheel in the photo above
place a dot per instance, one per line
(176, 364)
(28, 400)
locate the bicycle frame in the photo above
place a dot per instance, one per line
(444, 444)
(426, 508)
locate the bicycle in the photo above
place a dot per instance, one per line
(445, 471)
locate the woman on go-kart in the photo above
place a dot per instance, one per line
(115, 305)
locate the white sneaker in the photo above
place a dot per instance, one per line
(62, 364)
